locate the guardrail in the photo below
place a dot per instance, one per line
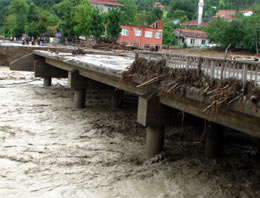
(214, 67)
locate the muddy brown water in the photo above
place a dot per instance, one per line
(50, 149)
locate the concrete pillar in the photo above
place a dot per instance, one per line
(79, 98)
(116, 99)
(46, 82)
(214, 141)
(154, 141)
(154, 116)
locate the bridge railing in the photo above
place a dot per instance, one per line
(214, 67)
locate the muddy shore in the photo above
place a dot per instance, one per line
(50, 149)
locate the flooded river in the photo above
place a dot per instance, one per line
(49, 149)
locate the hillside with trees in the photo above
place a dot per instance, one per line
(75, 18)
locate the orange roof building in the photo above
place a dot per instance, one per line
(159, 4)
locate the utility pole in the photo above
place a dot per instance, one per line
(256, 38)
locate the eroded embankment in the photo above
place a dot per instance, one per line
(50, 149)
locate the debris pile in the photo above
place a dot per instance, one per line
(142, 70)
(216, 91)
(112, 46)
(78, 51)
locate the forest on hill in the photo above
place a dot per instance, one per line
(74, 18)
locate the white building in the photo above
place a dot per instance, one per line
(193, 38)
(105, 5)
(247, 12)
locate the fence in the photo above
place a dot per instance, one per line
(214, 67)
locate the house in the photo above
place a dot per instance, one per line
(194, 23)
(226, 14)
(193, 38)
(159, 5)
(247, 12)
(105, 5)
(143, 37)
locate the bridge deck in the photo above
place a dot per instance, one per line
(110, 65)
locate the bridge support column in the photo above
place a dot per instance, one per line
(79, 84)
(116, 99)
(46, 82)
(153, 116)
(79, 98)
(214, 141)
(154, 141)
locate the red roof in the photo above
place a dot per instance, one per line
(191, 33)
(106, 2)
(194, 22)
(159, 4)
(245, 11)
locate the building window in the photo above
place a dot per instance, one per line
(124, 43)
(146, 46)
(136, 44)
(138, 32)
(192, 41)
(203, 42)
(182, 40)
(124, 32)
(148, 34)
(158, 35)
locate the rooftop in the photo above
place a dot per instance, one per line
(194, 22)
(106, 2)
(226, 14)
(191, 33)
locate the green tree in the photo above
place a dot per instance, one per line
(113, 25)
(32, 15)
(19, 9)
(10, 23)
(32, 21)
(96, 27)
(180, 14)
(128, 12)
(168, 34)
(67, 11)
(82, 18)
(42, 24)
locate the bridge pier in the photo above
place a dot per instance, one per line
(46, 82)
(153, 116)
(79, 98)
(116, 99)
(154, 141)
(214, 141)
(79, 84)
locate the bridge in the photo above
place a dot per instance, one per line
(222, 91)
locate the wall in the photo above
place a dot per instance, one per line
(11, 53)
(197, 43)
(131, 39)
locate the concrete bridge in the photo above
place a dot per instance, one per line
(155, 108)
